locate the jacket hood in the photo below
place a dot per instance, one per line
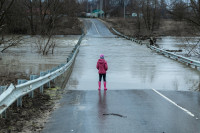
(101, 61)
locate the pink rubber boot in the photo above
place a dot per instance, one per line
(105, 85)
(99, 85)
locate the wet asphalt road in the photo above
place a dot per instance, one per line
(131, 66)
(130, 105)
(131, 111)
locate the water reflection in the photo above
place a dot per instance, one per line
(102, 109)
(131, 66)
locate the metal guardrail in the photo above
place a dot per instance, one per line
(129, 38)
(180, 58)
(13, 93)
(2, 89)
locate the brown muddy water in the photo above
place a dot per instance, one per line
(190, 46)
(23, 60)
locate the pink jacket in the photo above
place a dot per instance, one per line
(102, 66)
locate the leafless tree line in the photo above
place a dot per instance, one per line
(35, 17)
(188, 12)
(149, 12)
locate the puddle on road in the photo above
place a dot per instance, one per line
(114, 114)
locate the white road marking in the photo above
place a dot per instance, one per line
(96, 27)
(185, 110)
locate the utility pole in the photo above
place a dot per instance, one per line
(91, 9)
(101, 7)
(124, 10)
(87, 6)
(97, 6)
(199, 50)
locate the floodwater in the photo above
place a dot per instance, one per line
(25, 59)
(131, 66)
(186, 44)
(129, 105)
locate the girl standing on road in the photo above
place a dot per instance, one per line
(102, 67)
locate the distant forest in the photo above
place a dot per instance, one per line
(148, 12)
(42, 16)
(35, 16)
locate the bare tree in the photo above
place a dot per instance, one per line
(51, 11)
(5, 5)
(193, 16)
(39, 17)
(178, 10)
(30, 10)
(11, 42)
(137, 6)
(163, 9)
(151, 14)
(190, 13)
(45, 45)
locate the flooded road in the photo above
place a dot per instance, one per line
(130, 105)
(131, 66)
(23, 60)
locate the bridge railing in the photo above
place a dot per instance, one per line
(2, 89)
(15, 93)
(180, 58)
(129, 38)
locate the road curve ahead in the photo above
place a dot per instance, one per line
(147, 93)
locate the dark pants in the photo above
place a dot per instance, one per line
(102, 75)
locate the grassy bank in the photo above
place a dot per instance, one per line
(69, 27)
(34, 113)
(167, 27)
